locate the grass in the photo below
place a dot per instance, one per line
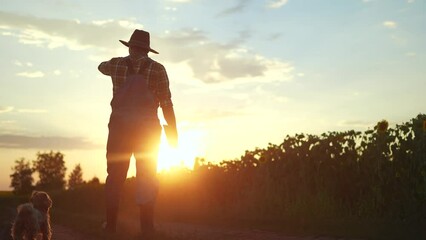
(378, 229)
(90, 225)
(87, 224)
(8, 204)
(82, 211)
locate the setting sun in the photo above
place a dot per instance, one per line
(190, 147)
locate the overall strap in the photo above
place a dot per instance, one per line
(135, 95)
(131, 70)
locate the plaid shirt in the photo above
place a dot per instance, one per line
(158, 81)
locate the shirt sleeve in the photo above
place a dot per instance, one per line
(163, 89)
(112, 66)
(104, 68)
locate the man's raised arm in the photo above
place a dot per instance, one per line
(104, 68)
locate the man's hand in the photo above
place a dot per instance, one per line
(171, 135)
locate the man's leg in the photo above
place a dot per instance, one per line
(118, 158)
(117, 173)
(146, 176)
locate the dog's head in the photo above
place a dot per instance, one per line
(41, 201)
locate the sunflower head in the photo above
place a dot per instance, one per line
(382, 126)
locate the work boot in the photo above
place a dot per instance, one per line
(147, 219)
(108, 229)
(111, 220)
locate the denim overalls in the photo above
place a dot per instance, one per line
(134, 128)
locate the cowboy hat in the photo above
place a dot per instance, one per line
(139, 38)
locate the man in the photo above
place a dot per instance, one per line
(140, 86)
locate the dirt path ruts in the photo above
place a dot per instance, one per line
(196, 231)
(206, 232)
(65, 233)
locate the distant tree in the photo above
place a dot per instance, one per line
(22, 177)
(198, 162)
(75, 179)
(51, 169)
(94, 181)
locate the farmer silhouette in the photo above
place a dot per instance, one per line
(140, 86)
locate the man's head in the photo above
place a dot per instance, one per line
(140, 40)
(137, 51)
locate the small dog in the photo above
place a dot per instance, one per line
(33, 219)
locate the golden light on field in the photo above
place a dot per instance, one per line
(190, 146)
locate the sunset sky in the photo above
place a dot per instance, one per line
(242, 73)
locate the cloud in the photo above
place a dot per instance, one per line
(410, 54)
(225, 62)
(214, 114)
(36, 74)
(390, 24)
(9, 127)
(25, 110)
(130, 24)
(102, 22)
(274, 36)
(4, 109)
(21, 64)
(356, 123)
(210, 61)
(172, 9)
(54, 33)
(241, 5)
(30, 142)
(276, 4)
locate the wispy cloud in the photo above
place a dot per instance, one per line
(214, 114)
(54, 33)
(180, 1)
(21, 64)
(274, 36)
(10, 127)
(5, 109)
(35, 74)
(172, 9)
(390, 24)
(239, 7)
(130, 24)
(410, 54)
(26, 110)
(31, 142)
(356, 123)
(102, 22)
(226, 61)
(276, 4)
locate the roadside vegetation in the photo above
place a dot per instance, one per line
(368, 185)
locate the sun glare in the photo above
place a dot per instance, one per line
(190, 147)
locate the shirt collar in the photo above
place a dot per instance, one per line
(137, 57)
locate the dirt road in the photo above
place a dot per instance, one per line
(205, 232)
(64, 233)
(195, 232)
